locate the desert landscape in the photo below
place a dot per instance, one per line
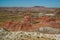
(29, 23)
(29, 19)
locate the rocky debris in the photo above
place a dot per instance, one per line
(48, 30)
(19, 35)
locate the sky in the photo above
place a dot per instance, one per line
(29, 3)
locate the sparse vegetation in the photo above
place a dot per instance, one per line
(21, 35)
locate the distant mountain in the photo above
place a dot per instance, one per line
(34, 9)
(40, 6)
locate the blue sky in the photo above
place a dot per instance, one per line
(29, 3)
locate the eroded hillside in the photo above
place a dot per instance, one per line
(29, 18)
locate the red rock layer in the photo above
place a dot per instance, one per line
(25, 24)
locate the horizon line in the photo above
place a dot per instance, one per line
(30, 6)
